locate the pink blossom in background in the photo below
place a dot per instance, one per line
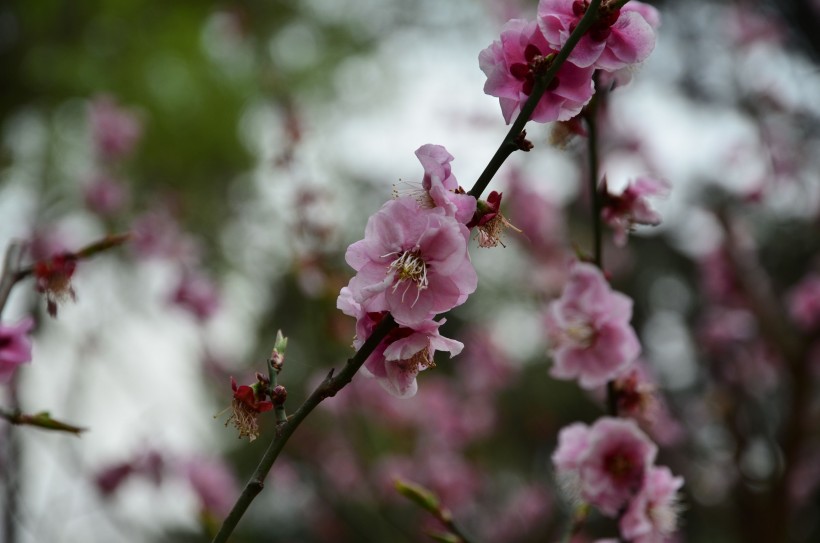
(804, 302)
(588, 329)
(196, 294)
(15, 347)
(441, 186)
(510, 65)
(412, 262)
(620, 37)
(403, 353)
(105, 195)
(149, 464)
(214, 484)
(156, 234)
(623, 211)
(115, 129)
(483, 368)
(527, 509)
(638, 399)
(608, 461)
(652, 515)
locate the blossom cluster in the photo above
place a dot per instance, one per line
(413, 263)
(620, 37)
(611, 466)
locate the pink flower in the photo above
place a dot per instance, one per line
(214, 484)
(156, 234)
(405, 351)
(589, 331)
(105, 196)
(412, 262)
(623, 211)
(15, 347)
(440, 186)
(196, 294)
(607, 461)
(804, 302)
(511, 65)
(618, 38)
(115, 129)
(652, 515)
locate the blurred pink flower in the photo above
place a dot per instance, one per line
(412, 262)
(588, 329)
(804, 302)
(623, 211)
(440, 185)
(618, 38)
(105, 195)
(15, 347)
(606, 461)
(510, 65)
(156, 234)
(197, 294)
(652, 515)
(115, 129)
(214, 484)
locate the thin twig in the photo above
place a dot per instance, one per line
(327, 388)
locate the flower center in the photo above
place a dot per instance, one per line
(410, 267)
(581, 334)
(526, 72)
(620, 466)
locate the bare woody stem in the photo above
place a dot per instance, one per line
(329, 387)
(542, 81)
(591, 117)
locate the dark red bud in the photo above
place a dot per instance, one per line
(278, 395)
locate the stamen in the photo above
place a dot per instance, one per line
(410, 267)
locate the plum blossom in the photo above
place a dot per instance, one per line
(618, 38)
(623, 211)
(248, 402)
(804, 302)
(588, 329)
(53, 278)
(115, 129)
(511, 65)
(15, 347)
(412, 262)
(406, 351)
(440, 186)
(196, 294)
(652, 515)
(214, 484)
(631, 207)
(489, 221)
(607, 461)
(105, 195)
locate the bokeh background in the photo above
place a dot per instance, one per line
(259, 136)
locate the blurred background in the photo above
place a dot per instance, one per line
(245, 144)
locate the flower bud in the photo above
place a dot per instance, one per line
(278, 395)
